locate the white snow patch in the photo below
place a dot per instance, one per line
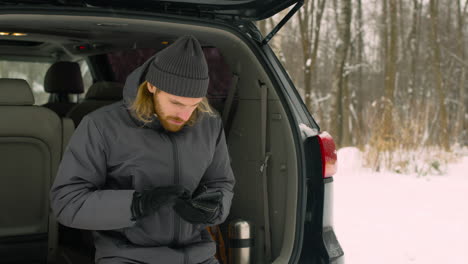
(393, 218)
(324, 98)
(307, 131)
(349, 160)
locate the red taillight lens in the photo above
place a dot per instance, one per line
(328, 150)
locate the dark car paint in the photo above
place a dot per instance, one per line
(319, 244)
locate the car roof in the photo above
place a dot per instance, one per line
(58, 37)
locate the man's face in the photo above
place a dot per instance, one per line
(173, 111)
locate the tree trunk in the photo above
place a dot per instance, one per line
(384, 35)
(360, 140)
(413, 46)
(304, 28)
(390, 74)
(310, 30)
(262, 26)
(448, 23)
(401, 31)
(343, 19)
(461, 108)
(436, 66)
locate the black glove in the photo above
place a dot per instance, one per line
(149, 201)
(202, 208)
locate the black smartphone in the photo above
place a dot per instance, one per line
(211, 196)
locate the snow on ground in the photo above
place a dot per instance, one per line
(389, 218)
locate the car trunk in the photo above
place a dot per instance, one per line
(250, 139)
(258, 124)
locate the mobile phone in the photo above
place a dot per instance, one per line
(209, 196)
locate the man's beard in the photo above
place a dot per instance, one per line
(171, 127)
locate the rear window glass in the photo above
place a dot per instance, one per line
(34, 73)
(87, 78)
(124, 62)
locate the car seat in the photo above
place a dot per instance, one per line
(32, 140)
(98, 95)
(62, 78)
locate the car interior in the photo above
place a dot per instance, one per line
(33, 137)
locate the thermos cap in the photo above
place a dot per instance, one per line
(240, 229)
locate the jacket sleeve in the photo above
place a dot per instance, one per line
(77, 198)
(219, 176)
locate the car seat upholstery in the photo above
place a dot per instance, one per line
(98, 95)
(62, 78)
(32, 139)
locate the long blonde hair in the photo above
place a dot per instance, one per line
(143, 106)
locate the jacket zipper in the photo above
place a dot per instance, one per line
(176, 181)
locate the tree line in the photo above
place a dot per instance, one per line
(385, 73)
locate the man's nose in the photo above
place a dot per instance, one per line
(184, 115)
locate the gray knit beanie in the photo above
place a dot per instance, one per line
(180, 69)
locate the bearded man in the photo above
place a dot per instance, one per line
(150, 173)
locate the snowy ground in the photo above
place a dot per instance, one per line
(389, 218)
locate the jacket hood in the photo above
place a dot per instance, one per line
(130, 90)
(133, 81)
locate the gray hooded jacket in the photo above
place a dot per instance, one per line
(111, 154)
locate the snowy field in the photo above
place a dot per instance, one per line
(390, 218)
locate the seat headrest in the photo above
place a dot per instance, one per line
(15, 92)
(64, 77)
(105, 91)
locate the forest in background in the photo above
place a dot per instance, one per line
(387, 76)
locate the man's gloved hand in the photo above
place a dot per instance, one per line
(149, 201)
(202, 208)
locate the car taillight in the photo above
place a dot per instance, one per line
(328, 151)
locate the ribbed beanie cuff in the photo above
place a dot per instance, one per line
(180, 69)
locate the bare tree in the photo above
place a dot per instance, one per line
(310, 20)
(383, 136)
(355, 75)
(399, 62)
(360, 36)
(414, 47)
(390, 72)
(461, 108)
(436, 66)
(262, 26)
(339, 109)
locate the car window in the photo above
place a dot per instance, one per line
(124, 62)
(87, 78)
(34, 73)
